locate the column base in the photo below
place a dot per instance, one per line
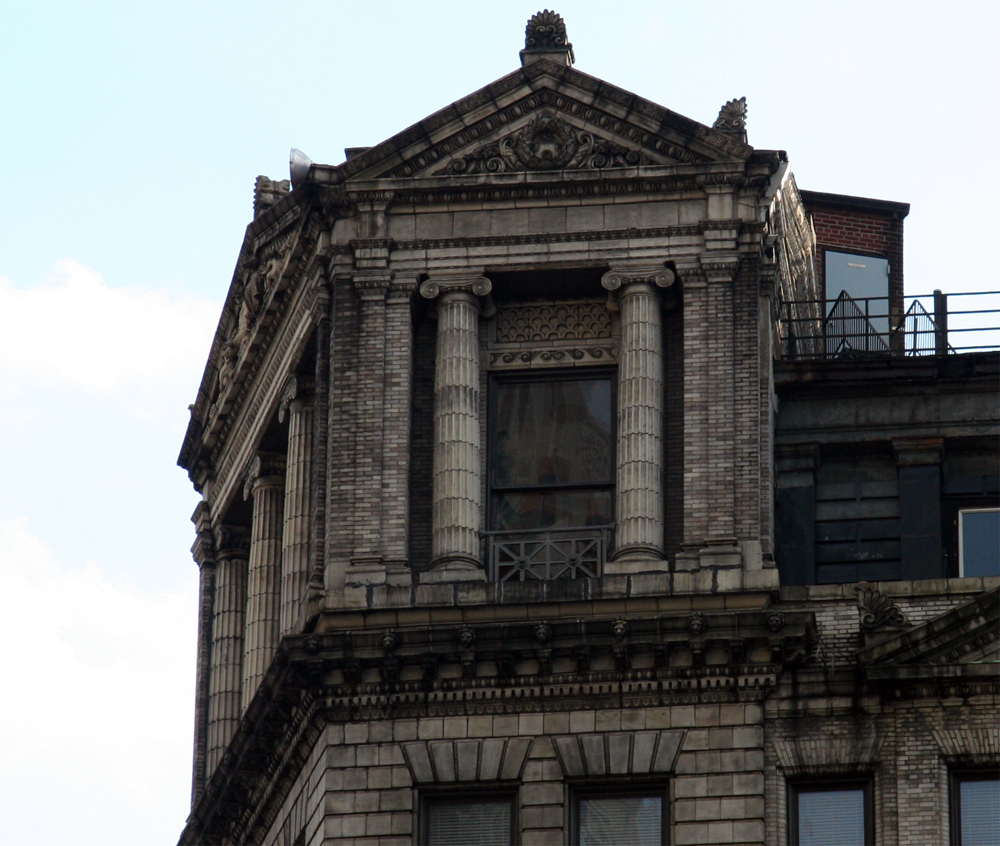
(637, 562)
(453, 570)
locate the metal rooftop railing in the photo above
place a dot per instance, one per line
(874, 327)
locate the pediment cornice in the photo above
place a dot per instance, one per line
(591, 123)
(958, 650)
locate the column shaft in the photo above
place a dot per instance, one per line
(295, 559)
(639, 493)
(264, 577)
(457, 500)
(224, 697)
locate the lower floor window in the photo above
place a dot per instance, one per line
(471, 820)
(829, 814)
(975, 817)
(613, 819)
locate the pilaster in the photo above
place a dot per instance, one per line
(457, 459)
(265, 482)
(919, 465)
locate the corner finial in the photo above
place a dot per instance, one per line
(545, 38)
(732, 119)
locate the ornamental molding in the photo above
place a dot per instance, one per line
(547, 143)
(553, 357)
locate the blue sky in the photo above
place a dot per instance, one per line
(131, 136)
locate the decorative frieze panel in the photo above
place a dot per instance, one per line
(552, 334)
(566, 321)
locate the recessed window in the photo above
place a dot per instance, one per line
(469, 820)
(552, 465)
(979, 542)
(612, 819)
(975, 813)
(830, 814)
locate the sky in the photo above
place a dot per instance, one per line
(130, 138)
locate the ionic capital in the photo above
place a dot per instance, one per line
(232, 542)
(265, 469)
(661, 277)
(480, 286)
(296, 388)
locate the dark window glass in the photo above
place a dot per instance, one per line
(552, 452)
(635, 819)
(830, 815)
(468, 822)
(976, 813)
(979, 542)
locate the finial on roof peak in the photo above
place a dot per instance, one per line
(732, 119)
(545, 38)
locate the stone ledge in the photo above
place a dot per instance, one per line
(915, 588)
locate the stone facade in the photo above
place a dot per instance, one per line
(388, 621)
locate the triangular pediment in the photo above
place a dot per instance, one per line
(544, 117)
(967, 636)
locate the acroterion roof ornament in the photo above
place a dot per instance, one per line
(545, 37)
(732, 119)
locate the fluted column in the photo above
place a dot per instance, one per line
(228, 620)
(204, 553)
(297, 406)
(457, 463)
(639, 478)
(266, 483)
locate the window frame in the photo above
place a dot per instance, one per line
(960, 554)
(609, 374)
(955, 779)
(951, 536)
(447, 794)
(796, 787)
(612, 791)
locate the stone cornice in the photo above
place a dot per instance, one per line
(317, 678)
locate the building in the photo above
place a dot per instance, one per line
(569, 476)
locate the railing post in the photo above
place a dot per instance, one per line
(940, 323)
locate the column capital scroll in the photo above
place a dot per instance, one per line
(231, 541)
(478, 285)
(265, 468)
(661, 277)
(297, 387)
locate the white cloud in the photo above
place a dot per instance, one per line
(98, 709)
(129, 343)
